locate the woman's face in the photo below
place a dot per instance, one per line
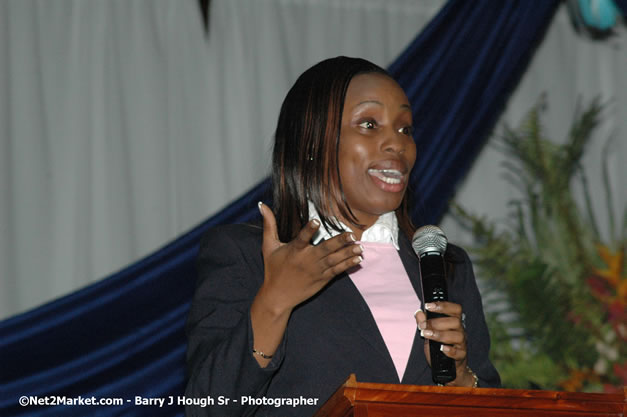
(376, 150)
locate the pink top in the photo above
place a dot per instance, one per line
(383, 282)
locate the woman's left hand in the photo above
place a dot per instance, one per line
(451, 333)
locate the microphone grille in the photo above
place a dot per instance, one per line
(429, 239)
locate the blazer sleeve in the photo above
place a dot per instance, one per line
(464, 291)
(219, 330)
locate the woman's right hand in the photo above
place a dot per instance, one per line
(293, 272)
(297, 270)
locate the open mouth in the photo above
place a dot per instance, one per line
(389, 176)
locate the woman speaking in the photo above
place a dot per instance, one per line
(329, 285)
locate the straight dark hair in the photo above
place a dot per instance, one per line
(304, 161)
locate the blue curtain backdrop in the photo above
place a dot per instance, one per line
(622, 6)
(124, 336)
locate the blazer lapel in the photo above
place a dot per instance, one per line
(346, 303)
(410, 262)
(417, 364)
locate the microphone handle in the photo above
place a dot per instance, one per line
(435, 289)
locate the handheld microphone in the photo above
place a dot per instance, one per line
(429, 243)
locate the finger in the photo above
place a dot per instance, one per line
(446, 323)
(456, 352)
(348, 251)
(421, 319)
(337, 269)
(445, 307)
(450, 337)
(335, 243)
(270, 232)
(303, 239)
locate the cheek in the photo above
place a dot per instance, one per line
(411, 155)
(353, 162)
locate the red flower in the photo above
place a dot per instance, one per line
(617, 312)
(599, 288)
(621, 372)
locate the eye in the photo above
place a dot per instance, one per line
(407, 130)
(368, 124)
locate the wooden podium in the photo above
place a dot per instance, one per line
(360, 399)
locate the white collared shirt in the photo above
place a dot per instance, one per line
(384, 230)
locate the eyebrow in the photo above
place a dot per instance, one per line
(403, 106)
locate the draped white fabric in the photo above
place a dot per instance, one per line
(103, 134)
(122, 125)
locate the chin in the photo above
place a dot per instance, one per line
(383, 207)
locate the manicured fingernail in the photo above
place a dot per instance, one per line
(315, 223)
(431, 306)
(358, 259)
(445, 348)
(358, 249)
(422, 325)
(352, 237)
(426, 333)
(259, 204)
(417, 311)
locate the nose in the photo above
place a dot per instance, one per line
(394, 142)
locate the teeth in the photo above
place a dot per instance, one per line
(391, 180)
(389, 176)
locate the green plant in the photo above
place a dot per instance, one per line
(564, 288)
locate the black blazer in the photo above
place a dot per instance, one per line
(328, 337)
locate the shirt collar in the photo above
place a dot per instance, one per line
(384, 230)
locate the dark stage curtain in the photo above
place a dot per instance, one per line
(124, 336)
(458, 74)
(622, 6)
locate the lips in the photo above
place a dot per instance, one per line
(389, 175)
